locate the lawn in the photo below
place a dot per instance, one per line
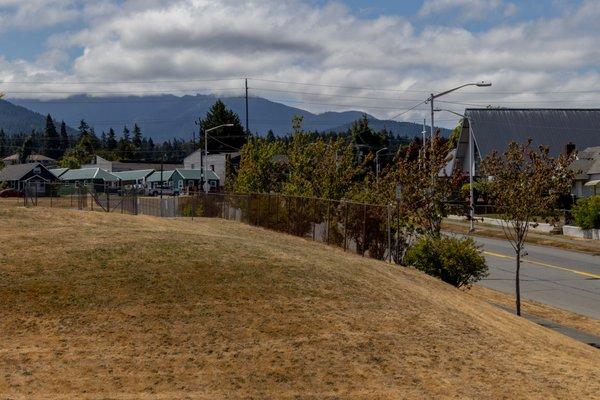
(111, 306)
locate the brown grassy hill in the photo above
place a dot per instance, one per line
(121, 307)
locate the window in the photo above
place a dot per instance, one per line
(212, 168)
(193, 166)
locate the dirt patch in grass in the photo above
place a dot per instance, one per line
(100, 306)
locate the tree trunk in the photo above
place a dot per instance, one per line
(518, 282)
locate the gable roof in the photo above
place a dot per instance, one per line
(196, 174)
(133, 175)
(555, 128)
(18, 171)
(84, 174)
(155, 177)
(58, 172)
(31, 158)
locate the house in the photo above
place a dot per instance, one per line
(93, 177)
(136, 179)
(181, 181)
(33, 158)
(58, 172)
(218, 163)
(494, 128)
(587, 172)
(188, 180)
(119, 166)
(32, 175)
(160, 178)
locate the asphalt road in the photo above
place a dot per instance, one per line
(560, 278)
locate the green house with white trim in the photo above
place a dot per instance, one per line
(92, 177)
(134, 179)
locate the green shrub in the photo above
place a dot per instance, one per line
(457, 261)
(587, 213)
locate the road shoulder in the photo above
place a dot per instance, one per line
(558, 316)
(557, 241)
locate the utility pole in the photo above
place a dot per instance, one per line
(162, 160)
(432, 117)
(247, 118)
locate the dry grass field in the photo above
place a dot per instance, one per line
(97, 306)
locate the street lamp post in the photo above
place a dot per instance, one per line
(377, 162)
(203, 161)
(471, 170)
(432, 97)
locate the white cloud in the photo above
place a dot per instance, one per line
(468, 9)
(295, 41)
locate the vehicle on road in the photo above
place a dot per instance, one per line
(11, 193)
(166, 191)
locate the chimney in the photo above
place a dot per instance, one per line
(570, 148)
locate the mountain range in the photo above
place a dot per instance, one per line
(164, 117)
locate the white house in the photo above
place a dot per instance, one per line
(216, 163)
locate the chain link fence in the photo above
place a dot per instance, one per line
(366, 229)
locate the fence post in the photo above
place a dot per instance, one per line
(287, 200)
(346, 225)
(327, 227)
(314, 217)
(389, 231)
(107, 199)
(364, 231)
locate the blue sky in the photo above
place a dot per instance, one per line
(378, 56)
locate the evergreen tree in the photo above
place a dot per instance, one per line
(111, 140)
(362, 134)
(51, 140)
(125, 148)
(3, 146)
(270, 136)
(151, 149)
(27, 149)
(137, 137)
(64, 138)
(227, 139)
(83, 129)
(103, 140)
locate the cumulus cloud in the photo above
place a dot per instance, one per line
(326, 45)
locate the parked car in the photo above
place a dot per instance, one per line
(166, 191)
(11, 193)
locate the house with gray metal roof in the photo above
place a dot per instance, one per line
(135, 178)
(587, 172)
(31, 175)
(188, 180)
(33, 158)
(494, 128)
(58, 172)
(561, 130)
(89, 176)
(182, 180)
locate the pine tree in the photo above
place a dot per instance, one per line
(103, 140)
(137, 137)
(27, 149)
(3, 147)
(83, 129)
(227, 139)
(111, 140)
(51, 140)
(64, 138)
(126, 149)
